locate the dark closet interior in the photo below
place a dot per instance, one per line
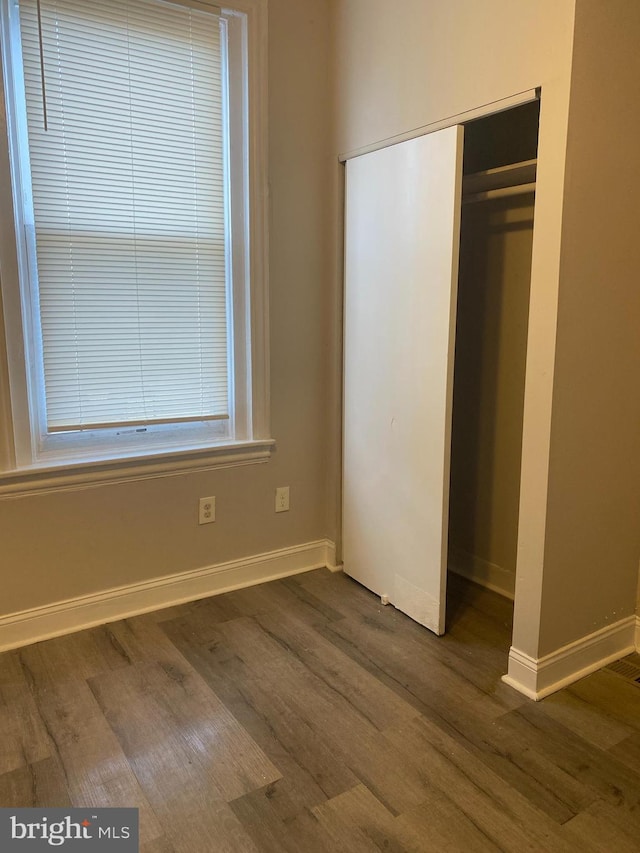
(491, 345)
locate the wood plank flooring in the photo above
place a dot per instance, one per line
(302, 716)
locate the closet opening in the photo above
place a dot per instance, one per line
(496, 240)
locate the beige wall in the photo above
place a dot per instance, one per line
(63, 545)
(400, 66)
(491, 344)
(593, 534)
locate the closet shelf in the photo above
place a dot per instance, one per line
(515, 175)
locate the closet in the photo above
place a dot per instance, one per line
(496, 237)
(431, 442)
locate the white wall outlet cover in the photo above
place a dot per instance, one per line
(207, 510)
(282, 499)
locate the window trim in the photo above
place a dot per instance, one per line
(83, 475)
(251, 445)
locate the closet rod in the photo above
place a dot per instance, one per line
(501, 192)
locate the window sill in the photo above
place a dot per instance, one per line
(69, 476)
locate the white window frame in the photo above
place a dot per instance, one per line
(27, 463)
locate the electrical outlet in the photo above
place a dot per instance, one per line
(282, 499)
(206, 510)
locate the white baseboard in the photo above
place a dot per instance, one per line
(538, 677)
(331, 560)
(482, 572)
(65, 617)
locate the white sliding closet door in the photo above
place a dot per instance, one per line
(401, 256)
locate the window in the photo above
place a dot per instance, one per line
(130, 279)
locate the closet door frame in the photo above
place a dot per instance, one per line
(462, 118)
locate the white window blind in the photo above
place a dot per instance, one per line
(128, 182)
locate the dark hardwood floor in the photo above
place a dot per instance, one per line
(302, 716)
